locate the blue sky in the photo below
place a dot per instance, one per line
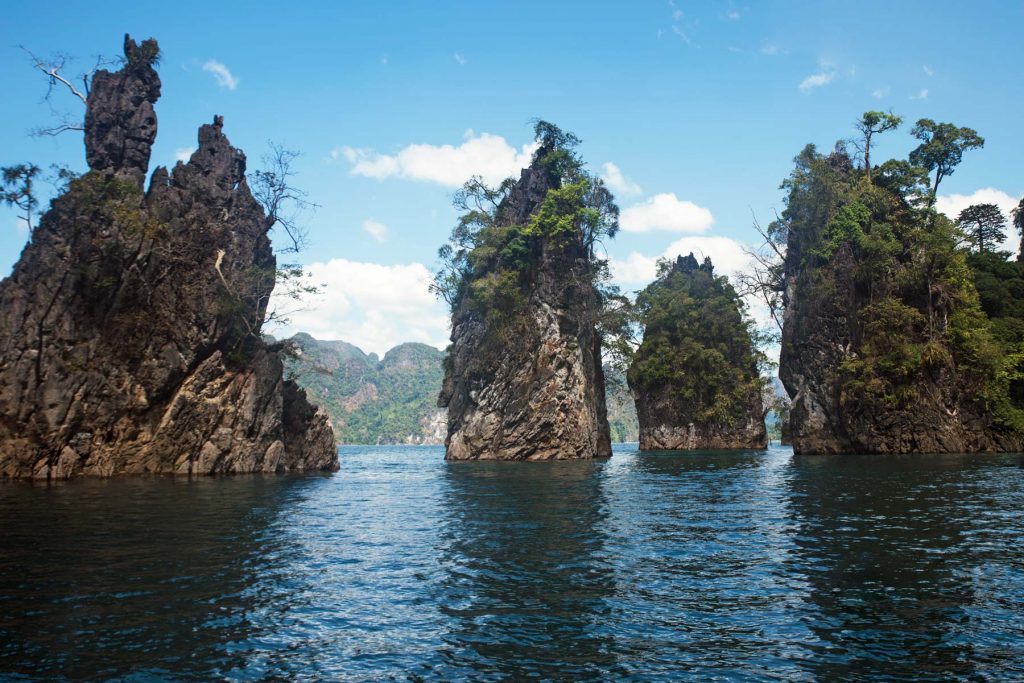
(698, 107)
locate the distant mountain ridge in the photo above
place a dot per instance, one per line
(372, 400)
(393, 400)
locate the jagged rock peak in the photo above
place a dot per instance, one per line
(689, 263)
(530, 387)
(129, 327)
(215, 163)
(120, 121)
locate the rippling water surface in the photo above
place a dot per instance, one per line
(751, 565)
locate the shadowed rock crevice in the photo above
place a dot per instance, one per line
(129, 328)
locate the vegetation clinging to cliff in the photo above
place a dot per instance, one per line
(698, 345)
(490, 263)
(919, 325)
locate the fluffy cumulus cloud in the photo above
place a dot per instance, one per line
(377, 231)
(953, 204)
(488, 156)
(666, 212)
(617, 182)
(221, 73)
(371, 305)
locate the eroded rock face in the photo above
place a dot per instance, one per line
(696, 357)
(540, 394)
(129, 327)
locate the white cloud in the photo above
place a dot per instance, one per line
(221, 73)
(377, 231)
(183, 154)
(638, 269)
(928, 70)
(817, 80)
(666, 212)
(460, 58)
(923, 95)
(769, 49)
(616, 182)
(384, 60)
(733, 14)
(880, 93)
(371, 305)
(485, 155)
(953, 204)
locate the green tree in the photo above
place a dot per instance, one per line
(17, 189)
(488, 263)
(873, 123)
(1018, 222)
(983, 226)
(942, 147)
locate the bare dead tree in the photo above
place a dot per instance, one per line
(283, 203)
(55, 70)
(765, 280)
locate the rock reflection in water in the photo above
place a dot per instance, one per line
(527, 577)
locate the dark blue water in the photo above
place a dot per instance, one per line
(741, 566)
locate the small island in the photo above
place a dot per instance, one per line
(696, 376)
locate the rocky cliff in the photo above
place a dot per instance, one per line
(523, 378)
(695, 375)
(884, 348)
(129, 326)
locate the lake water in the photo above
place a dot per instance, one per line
(740, 566)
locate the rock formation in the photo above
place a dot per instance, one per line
(695, 376)
(129, 327)
(525, 382)
(884, 346)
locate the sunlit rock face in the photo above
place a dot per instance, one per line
(540, 394)
(129, 328)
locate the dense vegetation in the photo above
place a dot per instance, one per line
(872, 236)
(698, 351)
(491, 261)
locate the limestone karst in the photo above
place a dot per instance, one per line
(885, 348)
(695, 376)
(129, 328)
(523, 377)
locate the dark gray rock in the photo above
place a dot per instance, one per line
(129, 327)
